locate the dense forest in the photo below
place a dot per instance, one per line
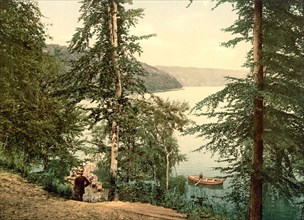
(52, 97)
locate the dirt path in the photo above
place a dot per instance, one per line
(24, 201)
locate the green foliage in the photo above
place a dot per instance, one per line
(178, 184)
(154, 79)
(14, 162)
(147, 133)
(91, 76)
(103, 173)
(141, 154)
(145, 191)
(230, 134)
(175, 197)
(239, 187)
(36, 127)
(62, 53)
(53, 178)
(107, 73)
(139, 192)
(157, 80)
(174, 200)
(52, 182)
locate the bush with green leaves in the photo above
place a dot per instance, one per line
(178, 184)
(52, 179)
(146, 192)
(62, 188)
(174, 198)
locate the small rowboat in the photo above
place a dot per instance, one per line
(205, 180)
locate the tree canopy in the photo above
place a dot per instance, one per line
(147, 131)
(35, 126)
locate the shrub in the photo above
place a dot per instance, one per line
(52, 179)
(178, 184)
(139, 192)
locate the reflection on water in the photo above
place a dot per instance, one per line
(281, 210)
(205, 162)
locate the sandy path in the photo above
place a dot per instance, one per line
(24, 201)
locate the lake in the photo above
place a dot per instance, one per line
(204, 162)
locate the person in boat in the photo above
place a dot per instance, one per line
(200, 175)
(79, 185)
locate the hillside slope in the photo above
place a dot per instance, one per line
(155, 80)
(191, 76)
(20, 200)
(158, 80)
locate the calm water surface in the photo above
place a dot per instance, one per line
(205, 162)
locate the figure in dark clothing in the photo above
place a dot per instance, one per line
(79, 184)
(200, 175)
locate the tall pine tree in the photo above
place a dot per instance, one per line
(232, 136)
(256, 178)
(107, 73)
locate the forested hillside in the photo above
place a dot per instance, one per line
(159, 80)
(155, 80)
(190, 76)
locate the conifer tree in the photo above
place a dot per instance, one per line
(232, 136)
(107, 73)
(256, 195)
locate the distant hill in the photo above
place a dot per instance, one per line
(156, 80)
(61, 52)
(190, 76)
(160, 78)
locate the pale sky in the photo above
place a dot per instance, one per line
(188, 37)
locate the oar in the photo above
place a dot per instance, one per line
(198, 182)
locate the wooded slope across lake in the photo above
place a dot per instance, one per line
(161, 78)
(191, 76)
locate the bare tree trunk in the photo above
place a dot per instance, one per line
(167, 167)
(256, 194)
(115, 127)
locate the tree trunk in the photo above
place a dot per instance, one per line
(256, 194)
(130, 149)
(115, 126)
(167, 167)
